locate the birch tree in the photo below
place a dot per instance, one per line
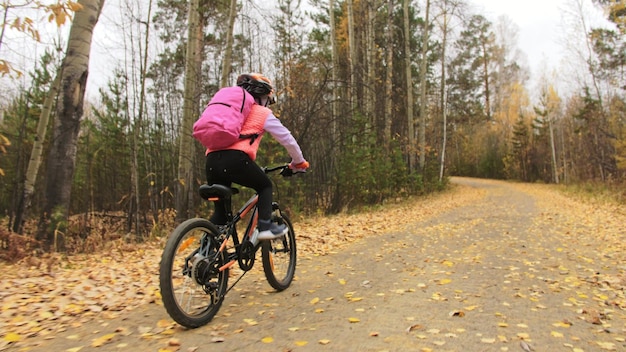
(334, 69)
(186, 146)
(423, 112)
(447, 10)
(62, 157)
(228, 51)
(411, 150)
(389, 76)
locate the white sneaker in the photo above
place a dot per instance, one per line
(275, 231)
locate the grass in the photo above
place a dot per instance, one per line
(599, 192)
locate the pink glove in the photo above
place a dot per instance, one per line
(299, 166)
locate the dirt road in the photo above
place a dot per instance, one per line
(519, 268)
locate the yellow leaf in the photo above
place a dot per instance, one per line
(324, 342)
(46, 315)
(556, 334)
(267, 339)
(102, 340)
(163, 323)
(301, 343)
(444, 281)
(186, 244)
(75, 349)
(12, 337)
(60, 19)
(561, 324)
(342, 281)
(354, 320)
(315, 300)
(607, 346)
(251, 322)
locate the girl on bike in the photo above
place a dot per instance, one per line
(236, 163)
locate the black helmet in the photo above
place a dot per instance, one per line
(257, 85)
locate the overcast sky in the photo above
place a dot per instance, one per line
(538, 21)
(541, 25)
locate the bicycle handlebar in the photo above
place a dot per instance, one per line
(285, 170)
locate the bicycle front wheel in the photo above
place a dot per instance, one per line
(279, 258)
(192, 286)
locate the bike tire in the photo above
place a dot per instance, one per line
(192, 289)
(279, 258)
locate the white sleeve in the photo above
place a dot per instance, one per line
(274, 127)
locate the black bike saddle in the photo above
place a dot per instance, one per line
(216, 191)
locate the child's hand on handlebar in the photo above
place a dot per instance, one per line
(299, 167)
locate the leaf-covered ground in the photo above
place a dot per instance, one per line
(487, 266)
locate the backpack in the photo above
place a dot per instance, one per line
(220, 124)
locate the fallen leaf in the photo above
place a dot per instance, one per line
(526, 347)
(457, 313)
(102, 340)
(556, 334)
(12, 337)
(414, 327)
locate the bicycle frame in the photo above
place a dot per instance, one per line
(231, 227)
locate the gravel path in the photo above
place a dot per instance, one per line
(512, 268)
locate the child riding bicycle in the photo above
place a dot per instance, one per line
(236, 163)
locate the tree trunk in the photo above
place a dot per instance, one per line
(228, 52)
(135, 209)
(62, 157)
(352, 56)
(186, 145)
(423, 90)
(389, 77)
(411, 151)
(334, 71)
(555, 167)
(443, 94)
(35, 157)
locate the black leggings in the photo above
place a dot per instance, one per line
(226, 167)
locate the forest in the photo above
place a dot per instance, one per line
(387, 98)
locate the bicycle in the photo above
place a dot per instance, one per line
(198, 255)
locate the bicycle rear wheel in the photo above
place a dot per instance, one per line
(279, 258)
(192, 286)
